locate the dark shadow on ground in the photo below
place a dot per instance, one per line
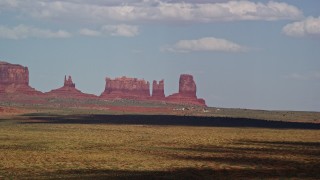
(257, 159)
(282, 143)
(167, 120)
(258, 148)
(184, 173)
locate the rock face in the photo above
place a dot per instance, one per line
(68, 82)
(126, 88)
(158, 90)
(187, 86)
(14, 79)
(68, 90)
(187, 92)
(137, 89)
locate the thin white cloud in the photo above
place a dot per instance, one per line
(205, 44)
(89, 32)
(305, 76)
(296, 76)
(24, 31)
(103, 12)
(123, 30)
(8, 3)
(308, 27)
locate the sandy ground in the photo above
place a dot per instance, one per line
(8, 111)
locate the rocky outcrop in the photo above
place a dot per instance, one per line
(158, 90)
(126, 88)
(68, 82)
(14, 79)
(187, 92)
(133, 88)
(68, 90)
(187, 86)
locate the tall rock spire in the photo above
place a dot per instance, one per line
(158, 90)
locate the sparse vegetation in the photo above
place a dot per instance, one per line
(122, 106)
(33, 147)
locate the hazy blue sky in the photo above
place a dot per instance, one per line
(243, 54)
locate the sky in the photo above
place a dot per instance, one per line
(255, 54)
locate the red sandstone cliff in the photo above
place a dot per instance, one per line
(126, 88)
(133, 88)
(187, 86)
(14, 79)
(158, 90)
(68, 90)
(68, 82)
(187, 92)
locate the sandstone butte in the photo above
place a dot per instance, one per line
(158, 90)
(14, 79)
(69, 90)
(187, 92)
(126, 88)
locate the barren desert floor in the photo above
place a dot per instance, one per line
(111, 146)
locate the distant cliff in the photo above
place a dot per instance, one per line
(125, 87)
(14, 79)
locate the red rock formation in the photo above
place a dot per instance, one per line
(69, 83)
(68, 90)
(187, 86)
(158, 90)
(126, 88)
(14, 79)
(187, 92)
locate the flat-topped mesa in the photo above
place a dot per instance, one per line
(14, 79)
(13, 74)
(158, 90)
(126, 88)
(187, 92)
(69, 90)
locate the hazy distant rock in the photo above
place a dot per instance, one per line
(14, 79)
(126, 88)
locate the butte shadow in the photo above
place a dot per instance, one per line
(165, 120)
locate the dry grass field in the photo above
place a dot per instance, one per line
(48, 146)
